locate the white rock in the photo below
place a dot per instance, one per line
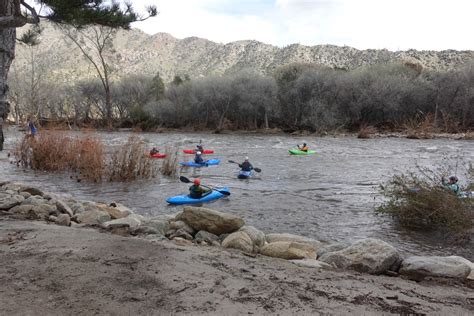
(418, 267)
(312, 263)
(368, 255)
(293, 238)
(289, 250)
(238, 240)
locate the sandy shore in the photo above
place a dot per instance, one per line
(55, 270)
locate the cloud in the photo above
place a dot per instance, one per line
(392, 24)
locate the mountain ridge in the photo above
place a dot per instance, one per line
(139, 53)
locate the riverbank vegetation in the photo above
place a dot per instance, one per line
(391, 97)
(85, 157)
(417, 200)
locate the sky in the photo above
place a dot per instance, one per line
(363, 24)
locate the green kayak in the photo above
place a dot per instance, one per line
(300, 152)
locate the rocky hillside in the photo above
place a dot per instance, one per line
(140, 53)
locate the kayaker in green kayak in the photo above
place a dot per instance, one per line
(246, 165)
(196, 191)
(451, 184)
(198, 157)
(304, 148)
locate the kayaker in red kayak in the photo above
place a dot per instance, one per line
(196, 191)
(154, 151)
(305, 148)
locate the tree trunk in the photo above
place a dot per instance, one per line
(7, 53)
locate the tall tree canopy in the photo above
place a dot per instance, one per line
(78, 13)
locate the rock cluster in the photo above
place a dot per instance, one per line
(204, 226)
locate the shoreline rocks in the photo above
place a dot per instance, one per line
(198, 225)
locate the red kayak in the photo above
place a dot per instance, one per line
(158, 155)
(193, 151)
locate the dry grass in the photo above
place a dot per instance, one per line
(366, 132)
(421, 127)
(57, 152)
(169, 164)
(131, 162)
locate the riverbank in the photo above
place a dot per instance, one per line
(84, 257)
(468, 135)
(56, 270)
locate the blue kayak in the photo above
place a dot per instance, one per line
(186, 199)
(244, 174)
(210, 162)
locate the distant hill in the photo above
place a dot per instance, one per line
(140, 53)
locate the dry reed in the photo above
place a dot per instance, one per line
(366, 132)
(169, 165)
(131, 162)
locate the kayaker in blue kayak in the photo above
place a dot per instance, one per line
(451, 184)
(198, 157)
(303, 148)
(246, 165)
(196, 191)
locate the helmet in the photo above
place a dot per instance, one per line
(304, 144)
(197, 181)
(246, 158)
(453, 179)
(198, 152)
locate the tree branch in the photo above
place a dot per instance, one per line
(34, 19)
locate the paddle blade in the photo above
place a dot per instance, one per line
(257, 169)
(231, 161)
(184, 179)
(223, 192)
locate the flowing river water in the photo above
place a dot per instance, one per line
(330, 196)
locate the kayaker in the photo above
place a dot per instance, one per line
(198, 157)
(246, 165)
(154, 151)
(304, 148)
(32, 127)
(200, 148)
(451, 184)
(196, 191)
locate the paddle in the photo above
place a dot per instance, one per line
(186, 180)
(256, 169)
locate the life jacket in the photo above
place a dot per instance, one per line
(246, 166)
(195, 191)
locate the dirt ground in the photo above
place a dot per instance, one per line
(54, 270)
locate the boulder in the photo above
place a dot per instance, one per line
(131, 222)
(34, 200)
(77, 208)
(293, 238)
(64, 208)
(311, 263)
(31, 190)
(63, 220)
(31, 211)
(368, 255)
(182, 225)
(161, 226)
(215, 222)
(238, 240)
(114, 213)
(21, 209)
(181, 233)
(94, 217)
(145, 230)
(25, 195)
(471, 265)
(204, 236)
(122, 208)
(331, 248)
(257, 236)
(289, 250)
(418, 267)
(7, 201)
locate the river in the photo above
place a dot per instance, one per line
(328, 196)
